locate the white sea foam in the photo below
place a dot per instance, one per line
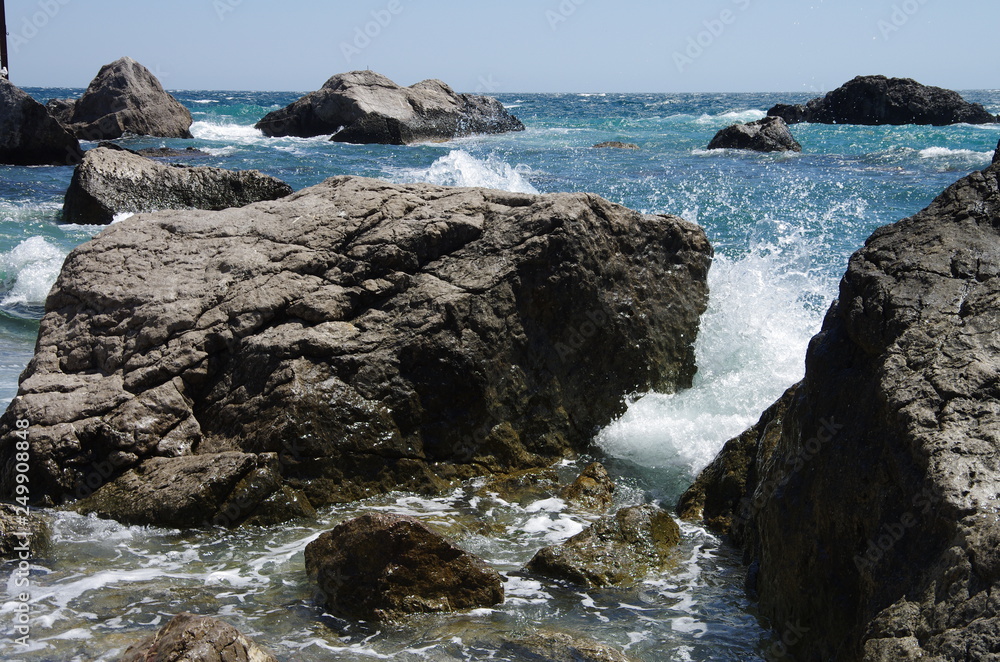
(459, 168)
(122, 216)
(204, 101)
(946, 152)
(231, 133)
(732, 117)
(28, 271)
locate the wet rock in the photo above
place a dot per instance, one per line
(382, 567)
(618, 550)
(614, 144)
(125, 97)
(29, 135)
(23, 534)
(524, 487)
(592, 489)
(552, 646)
(214, 489)
(880, 488)
(996, 154)
(880, 100)
(770, 134)
(365, 107)
(114, 181)
(374, 336)
(197, 639)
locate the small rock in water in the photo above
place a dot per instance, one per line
(550, 646)
(593, 489)
(382, 567)
(14, 522)
(191, 638)
(614, 144)
(770, 134)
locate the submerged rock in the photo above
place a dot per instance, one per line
(881, 100)
(23, 534)
(374, 336)
(125, 97)
(618, 550)
(366, 107)
(770, 134)
(880, 490)
(552, 646)
(29, 135)
(191, 638)
(614, 144)
(382, 567)
(115, 181)
(592, 489)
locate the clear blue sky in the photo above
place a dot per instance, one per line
(511, 45)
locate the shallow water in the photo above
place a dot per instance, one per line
(783, 227)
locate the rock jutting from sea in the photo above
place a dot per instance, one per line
(352, 338)
(769, 134)
(365, 107)
(124, 98)
(29, 135)
(867, 500)
(871, 100)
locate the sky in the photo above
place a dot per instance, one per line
(494, 46)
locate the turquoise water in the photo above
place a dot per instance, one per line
(783, 227)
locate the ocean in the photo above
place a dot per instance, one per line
(783, 227)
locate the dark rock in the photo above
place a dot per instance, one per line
(29, 135)
(996, 154)
(113, 181)
(523, 487)
(592, 489)
(552, 646)
(881, 100)
(125, 97)
(382, 567)
(874, 519)
(770, 134)
(614, 144)
(365, 107)
(171, 153)
(20, 529)
(618, 550)
(214, 489)
(197, 639)
(375, 336)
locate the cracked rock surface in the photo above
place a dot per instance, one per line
(370, 336)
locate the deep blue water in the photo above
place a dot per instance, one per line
(783, 227)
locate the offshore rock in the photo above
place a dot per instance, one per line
(374, 336)
(615, 144)
(769, 134)
(879, 487)
(29, 135)
(365, 107)
(125, 97)
(593, 488)
(382, 567)
(617, 550)
(198, 639)
(881, 100)
(112, 181)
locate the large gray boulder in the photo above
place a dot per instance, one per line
(383, 567)
(112, 181)
(191, 638)
(29, 135)
(366, 107)
(870, 503)
(769, 134)
(881, 100)
(372, 335)
(125, 97)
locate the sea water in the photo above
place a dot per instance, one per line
(783, 227)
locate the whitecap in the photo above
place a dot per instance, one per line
(459, 168)
(28, 271)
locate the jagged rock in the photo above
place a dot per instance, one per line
(880, 492)
(23, 534)
(552, 646)
(382, 567)
(770, 134)
(190, 638)
(614, 144)
(375, 336)
(113, 181)
(881, 100)
(125, 97)
(617, 550)
(996, 154)
(366, 107)
(214, 489)
(592, 489)
(29, 135)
